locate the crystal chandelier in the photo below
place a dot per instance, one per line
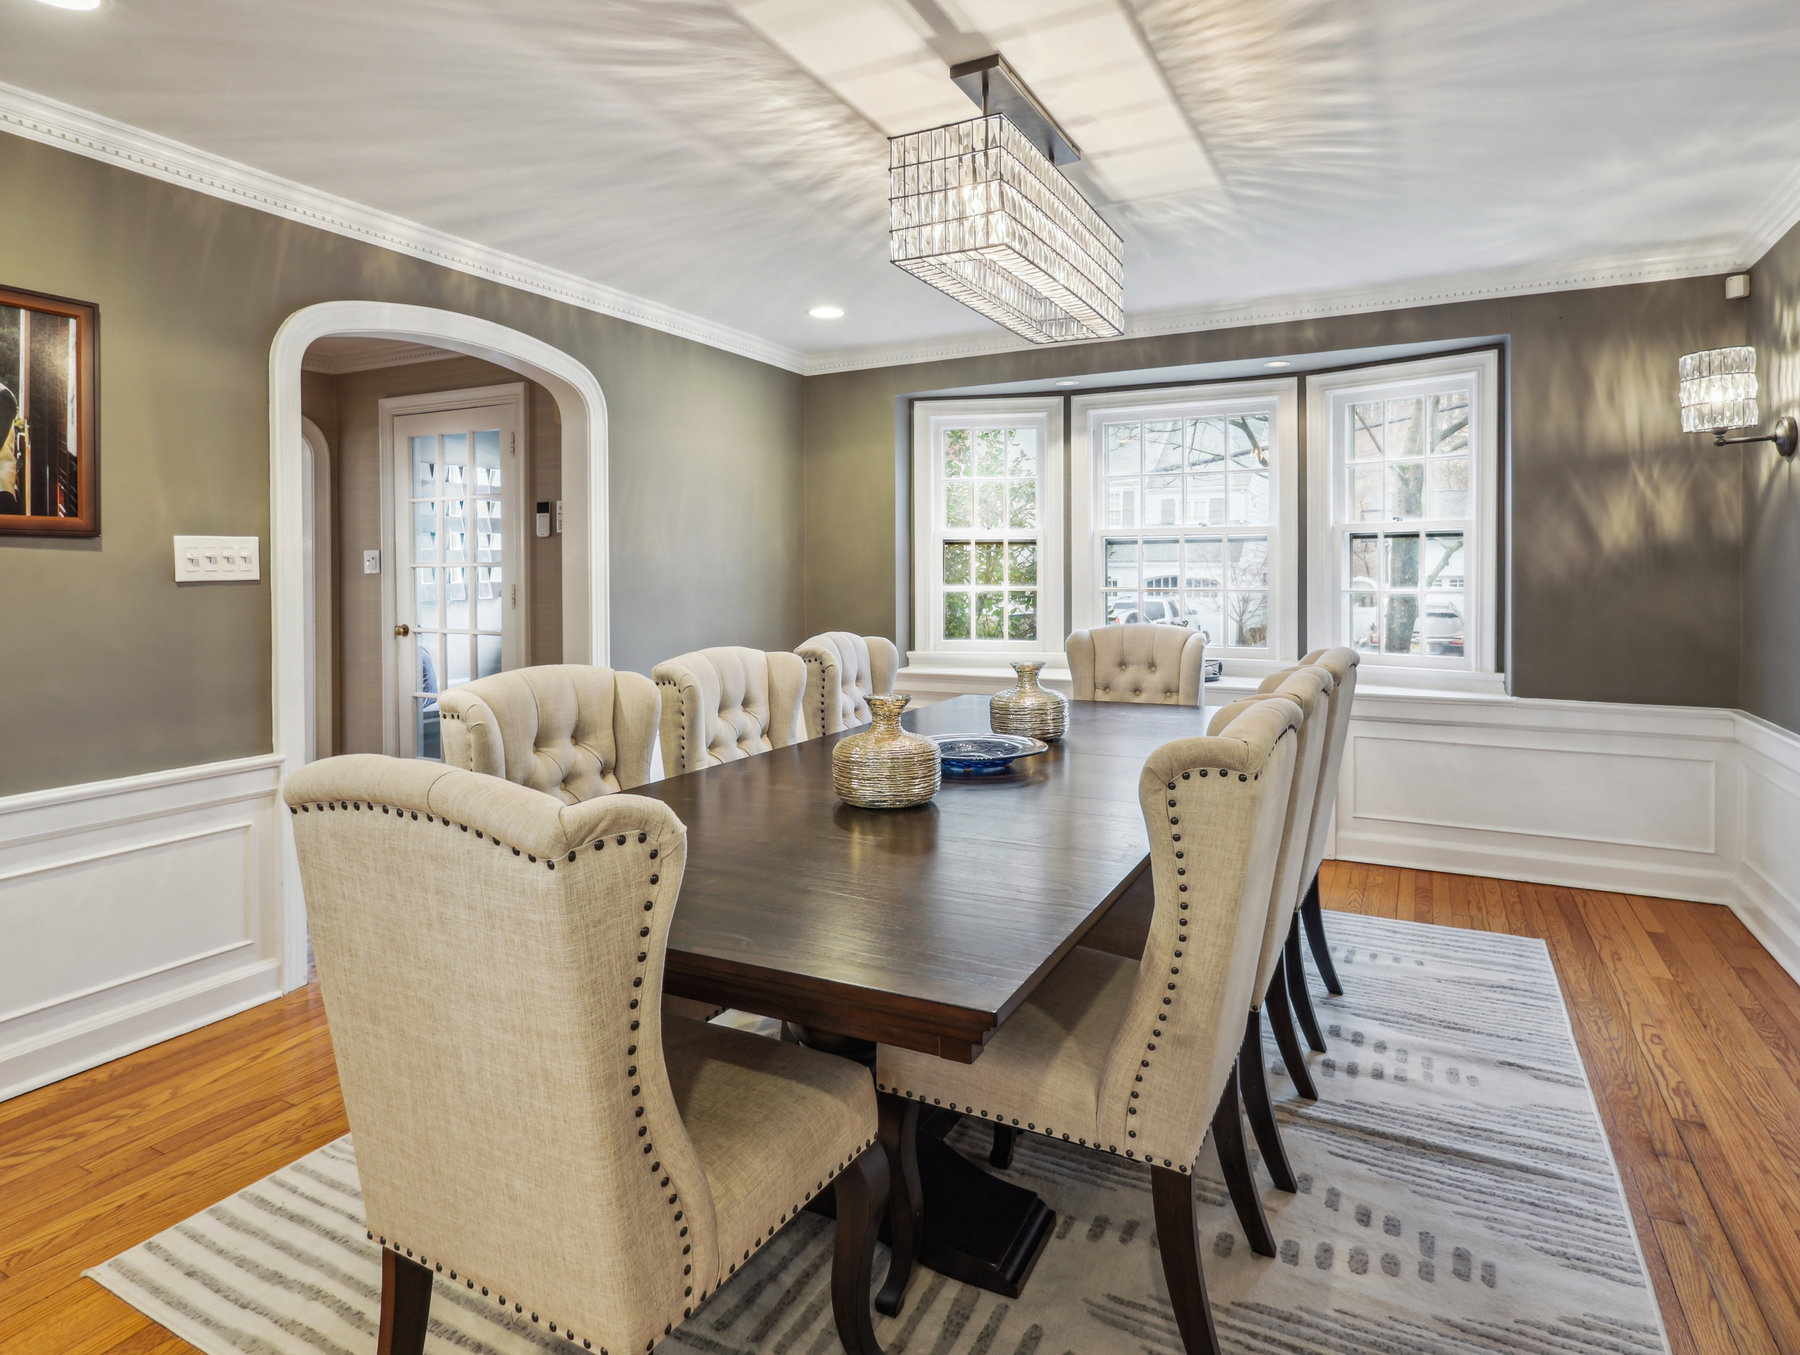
(979, 210)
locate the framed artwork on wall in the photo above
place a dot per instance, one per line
(49, 411)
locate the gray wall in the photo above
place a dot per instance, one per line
(108, 668)
(1624, 571)
(1771, 583)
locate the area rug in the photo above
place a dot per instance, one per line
(1456, 1194)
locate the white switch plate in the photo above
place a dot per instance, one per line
(217, 559)
(371, 562)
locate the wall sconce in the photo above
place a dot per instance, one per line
(1718, 391)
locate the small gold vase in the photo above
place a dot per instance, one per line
(1028, 708)
(885, 767)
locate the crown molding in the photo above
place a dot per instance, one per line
(392, 355)
(53, 123)
(1780, 214)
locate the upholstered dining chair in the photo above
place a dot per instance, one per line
(727, 703)
(527, 1125)
(1151, 665)
(1341, 663)
(842, 672)
(1133, 1058)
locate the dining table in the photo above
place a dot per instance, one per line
(924, 928)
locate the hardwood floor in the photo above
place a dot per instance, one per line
(1690, 1032)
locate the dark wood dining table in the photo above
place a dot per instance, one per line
(923, 928)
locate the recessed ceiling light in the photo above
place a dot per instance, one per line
(827, 312)
(1279, 362)
(1070, 382)
(73, 4)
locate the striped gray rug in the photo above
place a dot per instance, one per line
(1456, 1194)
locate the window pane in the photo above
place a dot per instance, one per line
(959, 504)
(956, 562)
(425, 533)
(1250, 496)
(1450, 424)
(1024, 503)
(1162, 500)
(1402, 562)
(1405, 491)
(456, 457)
(1449, 488)
(990, 501)
(957, 461)
(1249, 562)
(487, 655)
(990, 562)
(1162, 445)
(456, 599)
(1206, 500)
(1251, 431)
(424, 455)
(1121, 608)
(1402, 624)
(1206, 612)
(1163, 609)
(487, 461)
(487, 530)
(1122, 449)
(1121, 503)
(1247, 619)
(426, 730)
(1365, 622)
(1405, 428)
(1365, 431)
(1121, 564)
(488, 585)
(1206, 444)
(1205, 563)
(428, 650)
(1441, 632)
(990, 451)
(1021, 451)
(425, 598)
(956, 616)
(1162, 562)
(990, 616)
(1444, 560)
(1365, 493)
(456, 660)
(1021, 615)
(456, 530)
(1365, 561)
(1022, 562)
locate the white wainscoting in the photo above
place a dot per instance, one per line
(134, 910)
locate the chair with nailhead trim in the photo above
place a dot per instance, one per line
(1142, 663)
(843, 671)
(528, 1124)
(1134, 1058)
(1341, 663)
(727, 703)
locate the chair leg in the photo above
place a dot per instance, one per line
(1006, 1138)
(862, 1197)
(906, 1199)
(405, 1305)
(1178, 1235)
(1253, 1081)
(1281, 1021)
(1297, 990)
(1312, 914)
(1228, 1137)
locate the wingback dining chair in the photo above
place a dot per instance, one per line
(843, 671)
(1341, 663)
(527, 1125)
(727, 703)
(1133, 1058)
(1151, 665)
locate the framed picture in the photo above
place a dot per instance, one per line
(49, 443)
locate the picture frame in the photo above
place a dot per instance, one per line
(49, 415)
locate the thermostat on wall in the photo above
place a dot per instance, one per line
(543, 517)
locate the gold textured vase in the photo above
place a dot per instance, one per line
(885, 767)
(1028, 708)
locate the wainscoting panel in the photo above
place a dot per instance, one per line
(134, 910)
(1769, 847)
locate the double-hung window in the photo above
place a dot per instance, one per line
(1184, 514)
(1402, 483)
(987, 499)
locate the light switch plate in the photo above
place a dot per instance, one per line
(217, 559)
(371, 562)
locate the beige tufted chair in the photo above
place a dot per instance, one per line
(528, 1127)
(1134, 1057)
(1153, 665)
(842, 672)
(1341, 664)
(566, 729)
(723, 704)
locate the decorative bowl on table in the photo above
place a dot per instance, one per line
(885, 766)
(1029, 709)
(977, 754)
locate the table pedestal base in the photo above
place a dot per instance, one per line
(978, 1229)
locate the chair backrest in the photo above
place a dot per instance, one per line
(1310, 689)
(566, 729)
(1152, 665)
(1341, 664)
(1214, 809)
(723, 704)
(491, 961)
(842, 672)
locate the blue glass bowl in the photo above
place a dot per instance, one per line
(979, 754)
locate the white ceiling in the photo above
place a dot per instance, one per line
(726, 157)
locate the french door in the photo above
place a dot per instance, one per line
(459, 556)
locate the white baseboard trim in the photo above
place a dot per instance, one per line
(134, 910)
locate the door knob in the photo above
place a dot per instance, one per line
(403, 629)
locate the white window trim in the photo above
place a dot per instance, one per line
(1324, 568)
(928, 596)
(1085, 530)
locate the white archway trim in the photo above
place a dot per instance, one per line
(582, 407)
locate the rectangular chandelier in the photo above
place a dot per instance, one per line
(980, 213)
